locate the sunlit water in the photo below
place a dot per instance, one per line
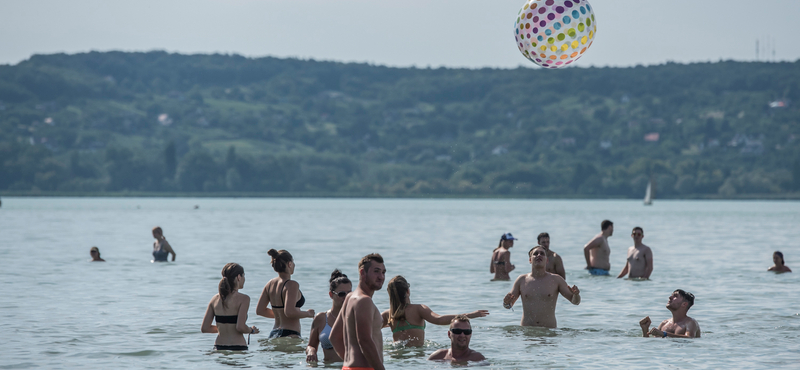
(60, 311)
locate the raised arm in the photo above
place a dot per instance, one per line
(649, 261)
(434, 318)
(363, 324)
(313, 337)
(573, 294)
(263, 302)
(206, 327)
(292, 296)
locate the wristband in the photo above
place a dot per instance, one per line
(665, 334)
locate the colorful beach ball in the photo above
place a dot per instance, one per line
(555, 33)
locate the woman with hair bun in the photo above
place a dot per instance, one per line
(780, 264)
(285, 296)
(229, 309)
(340, 286)
(407, 320)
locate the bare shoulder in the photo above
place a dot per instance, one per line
(476, 356)
(646, 249)
(438, 355)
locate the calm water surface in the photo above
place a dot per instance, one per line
(60, 311)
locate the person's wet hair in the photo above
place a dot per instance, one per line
(637, 228)
(777, 253)
(605, 224)
(398, 290)
(365, 261)
(688, 297)
(338, 278)
(226, 284)
(280, 259)
(461, 318)
(542, 235)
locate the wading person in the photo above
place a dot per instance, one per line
(640, 258)
(356, 334)
(539, 291)
(500, 265)
(780, 264)
(597, 251)
(460, 334)
(320, 334)
(554, 263)
(680, 325)
(161, 248)
(95, 253)
(407, 320)
(229, 309)
(285, 296)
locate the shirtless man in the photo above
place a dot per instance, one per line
(356, 334)
(460, 334)
(500, 265)
(640, 258)
(597, 250)
(680, 325)
(554, 263)
(539, 291)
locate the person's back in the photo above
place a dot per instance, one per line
(359, 305)
(277, 290)
(228, 334)
(597, 250)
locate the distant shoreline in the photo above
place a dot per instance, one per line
(141, 194)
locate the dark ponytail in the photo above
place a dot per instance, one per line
(280, 259)
(783, 262)
(226, 284)
(338, 278)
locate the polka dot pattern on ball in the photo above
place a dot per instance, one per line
(550, 32)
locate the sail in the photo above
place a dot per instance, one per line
(647, 195)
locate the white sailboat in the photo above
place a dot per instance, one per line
(648, 194)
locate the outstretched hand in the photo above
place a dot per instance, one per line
(478, 313)
(311, 313)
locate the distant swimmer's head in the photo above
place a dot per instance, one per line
(157, 232)
(537, 255)
(637, 233)
(506, 241)
(607, 227)
(232, 279)
(460, 332)
(95, 253)
(398, 289)
(372, 271)
(282, 261)
(777, 258)
(544, 240)
(340, 285)
(680, 299)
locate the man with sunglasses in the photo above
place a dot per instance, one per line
(680, 325)
(640, 258)
(539, 291)
(460, 334)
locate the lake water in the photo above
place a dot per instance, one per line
(60, 311)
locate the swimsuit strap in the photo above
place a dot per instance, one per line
(408, 326)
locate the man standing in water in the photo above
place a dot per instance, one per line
(640, 258)
(356, 334)
(554, 263)
(460, 334)
(539, 291)
(680, 325)
(597, 250)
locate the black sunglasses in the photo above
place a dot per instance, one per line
(461, 331)
(341, 294)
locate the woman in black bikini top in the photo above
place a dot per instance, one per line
(229, 309)
(286, 292)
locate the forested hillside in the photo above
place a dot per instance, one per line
(170, 123)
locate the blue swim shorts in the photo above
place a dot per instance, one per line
(597, 271)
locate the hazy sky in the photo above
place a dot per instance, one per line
(452, 33)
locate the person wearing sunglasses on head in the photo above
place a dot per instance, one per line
(407, 320)
(539, 291)
(640, 258)
(460, 334)
(340, 286)
(680, 325)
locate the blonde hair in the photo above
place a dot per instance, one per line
(398, 291)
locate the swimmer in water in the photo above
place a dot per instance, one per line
(539, 291)
(640, 258)
(780, 264)
(229, 309)
(597, 251)
(460, 334)
(95, 253)
(340, 287)
(554, 263)
(500, 265)
(407, 320)
(285, 296)
(161, 248)
(680, 325)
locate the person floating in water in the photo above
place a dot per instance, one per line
(780, 264)
(500, 264)
(539, 291)
(460, 334)
(229, 308)
(597, 251)
(95, 253)
(407, 320)
(680, 325)
(640, 258)
(554, 263)
(161, 248)
(285, 296)
(340, 287)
